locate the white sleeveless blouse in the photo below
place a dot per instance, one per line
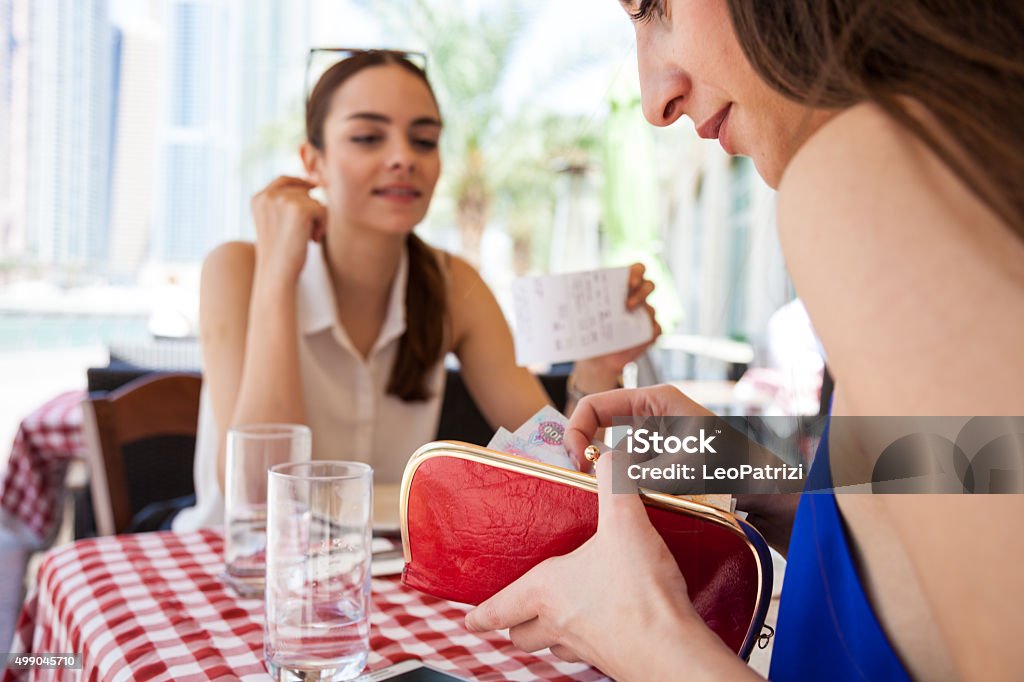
(347, 408)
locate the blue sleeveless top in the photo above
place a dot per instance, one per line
(826, 627)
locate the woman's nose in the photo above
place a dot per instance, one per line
(402, 157)
(664, 88)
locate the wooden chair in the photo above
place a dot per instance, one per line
(140, 442)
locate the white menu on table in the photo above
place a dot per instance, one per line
(575, 316)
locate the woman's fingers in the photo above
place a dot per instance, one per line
(289, 181)
(654, 323)
(636, 275)
(286, 219)
(592, 413)
(318, 215)
(287, 200)
(532, 636)
(508, 608)
(596, 411)
(286, 185)
(282, 184)
(617, 507)
(565, 654)
(638, 295)
(639, 288)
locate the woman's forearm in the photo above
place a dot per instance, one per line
(270, 389)
(587, 377)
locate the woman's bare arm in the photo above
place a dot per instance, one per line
(507, 394)
(248, 313)
(245, 339)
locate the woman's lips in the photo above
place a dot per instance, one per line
(398, 193)
(715, 128)
(723, 133)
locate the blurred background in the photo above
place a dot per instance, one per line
(133, 133)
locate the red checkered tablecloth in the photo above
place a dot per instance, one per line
(151, 607)
(46, 442)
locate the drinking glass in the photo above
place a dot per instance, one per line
(251, 450)
(318, 570)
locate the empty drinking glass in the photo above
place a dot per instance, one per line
(318, 570)
(251, 451)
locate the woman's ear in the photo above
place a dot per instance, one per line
(312, 161)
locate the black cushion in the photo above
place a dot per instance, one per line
(462, 420)
(113, 376)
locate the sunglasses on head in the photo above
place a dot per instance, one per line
(418, 59)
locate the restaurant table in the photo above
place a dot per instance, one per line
(151, 606)
(32, 492)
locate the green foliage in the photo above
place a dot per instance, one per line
(500, 166)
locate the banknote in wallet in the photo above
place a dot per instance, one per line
(540, 438)
(506, 441)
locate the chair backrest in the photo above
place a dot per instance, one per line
(140, 443)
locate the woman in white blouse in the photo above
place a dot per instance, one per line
(339, 316)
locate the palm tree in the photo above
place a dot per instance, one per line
(495, 160)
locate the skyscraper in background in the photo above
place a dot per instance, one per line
(274, 42)
(13, 122)
(230, 73)
(70, 114)
(138, 65)
(196, 117)
(136, 132)
(8, 45)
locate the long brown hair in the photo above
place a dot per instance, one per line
(426, 299)
(963, 61)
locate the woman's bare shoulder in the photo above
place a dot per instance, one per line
(901, 267)
(230, 256)
(452, 264)
(464, 280)
(227, 274)
(469, 298)
(865, 161)
(876, 170)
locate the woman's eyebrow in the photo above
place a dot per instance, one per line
(369, 116)
(381, 118)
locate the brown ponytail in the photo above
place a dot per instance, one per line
(964, 61)
(421, 345)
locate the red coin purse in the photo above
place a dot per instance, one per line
(475, 520)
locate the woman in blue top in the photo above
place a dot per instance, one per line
(893, 133)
